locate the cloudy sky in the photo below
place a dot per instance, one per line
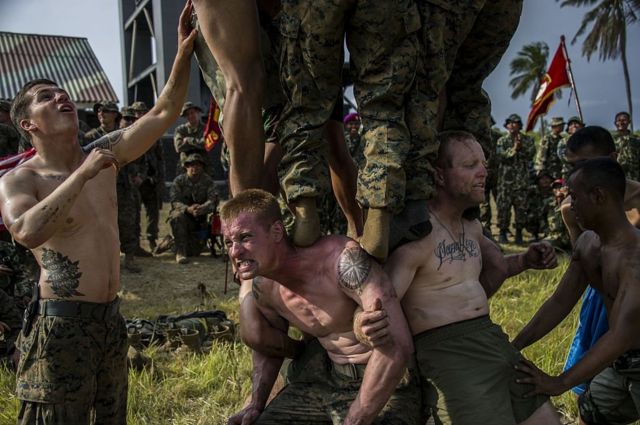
(600, 84)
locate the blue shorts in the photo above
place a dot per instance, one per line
(592, 325)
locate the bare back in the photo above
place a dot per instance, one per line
(81, 260)
(446, 287)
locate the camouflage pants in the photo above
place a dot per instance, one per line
(73, 371)
(150, 197)
(508, 197)
(318, 392)
(127, 213)
(486, 215)
(383, 46)
(189, 233)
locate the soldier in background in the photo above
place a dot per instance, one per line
(151, 188)
(128, 203)
(627, 146)
(109, 117)
(547, 159)
(574, 124)
(189, 137)
(353, 137)
(515, 153)
(193, 198)
(540, 202)
(9, 136)
(491, 182)
(558, 235)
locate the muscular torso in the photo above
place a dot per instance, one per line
(318, 306)
(446, 288)
(82, 259)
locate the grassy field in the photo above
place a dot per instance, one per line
(188, 389)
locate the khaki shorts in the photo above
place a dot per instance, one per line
(471, 364)
(319, 392)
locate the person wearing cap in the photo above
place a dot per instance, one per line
(515, 153)
(193, 197)
(150, 185)
(547, 159)
(188, 138)
(574, 124)
(109, 116)
(627, 146)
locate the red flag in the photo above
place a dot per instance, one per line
(556, 77)
(8, 163)
(212, 131)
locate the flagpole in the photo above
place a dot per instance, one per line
(573, 84)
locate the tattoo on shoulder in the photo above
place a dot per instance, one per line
(256, 288)
(63, 274)
(108, 141)
(353, 268)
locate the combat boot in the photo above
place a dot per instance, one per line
(152, 245)
(307, 221)
(129, 264)
(375, 237)
(518, 240)
(181, 256)
(503, 237)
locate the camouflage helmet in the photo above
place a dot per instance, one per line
(194, 157)
(105, 106)
(187, 106)
(557, 121)
(575, 119)
(513, 118)
(139, 106)
(127, 112)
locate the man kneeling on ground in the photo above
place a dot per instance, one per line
(317, 290)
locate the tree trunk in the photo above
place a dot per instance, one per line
(625, 68)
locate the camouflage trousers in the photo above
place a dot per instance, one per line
(128, 210)
(383, 46)
(320, 392)
(73, 371)
(189, 233)
(509, 197)
(486, 215)
(151, 199)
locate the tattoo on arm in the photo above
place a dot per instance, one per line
(108, 141)
(63, 274)
(353, 268)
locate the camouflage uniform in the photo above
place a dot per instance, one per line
(562, 154)
(491, 182)
(355, 145)
(9, 140)
(558, 235)
(128, 209)
(151, 170)
(383, 46)
(628, 148)
(190, 232)
(547, 159)
(11, 315)
(72, 367)
(540, 203)
(513, 180)
(26, 272)
(187, 140)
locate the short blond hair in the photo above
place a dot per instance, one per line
(254, 201)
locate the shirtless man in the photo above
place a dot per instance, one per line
(318, 291)
(73, 344)
(605, 257)
(444, 280)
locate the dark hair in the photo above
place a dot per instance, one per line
(598, 138)
(603, 172)
(446, 138)
(20, 106)
(622, 113)
(255, 201)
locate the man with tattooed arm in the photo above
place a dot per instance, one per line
(444, 280)
(317, 290)
(61, 204)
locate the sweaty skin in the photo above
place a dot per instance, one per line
(62, 204)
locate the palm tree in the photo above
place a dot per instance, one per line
(529, 68)
(608, 35)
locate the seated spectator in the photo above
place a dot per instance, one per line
(193, 198)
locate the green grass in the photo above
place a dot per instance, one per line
(183, 388)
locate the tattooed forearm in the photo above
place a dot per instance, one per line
(62, 274)
(108, 141)
(353, 268)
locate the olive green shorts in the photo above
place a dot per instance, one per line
(319, 392)
(471, 364)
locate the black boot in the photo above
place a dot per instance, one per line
(518, 237)
(503, 237)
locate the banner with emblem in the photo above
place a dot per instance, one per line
(212, 130)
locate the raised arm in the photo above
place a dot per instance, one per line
(32, 222)
(363, 280)
(557, 307)
(131, 142)
(496, 267)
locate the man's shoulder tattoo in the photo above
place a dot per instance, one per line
(63, 274)
(354, 266)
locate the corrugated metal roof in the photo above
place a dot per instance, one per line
(69, 61)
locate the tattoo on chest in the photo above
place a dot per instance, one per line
(63, 274)
(353, 268)
(456, 250)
